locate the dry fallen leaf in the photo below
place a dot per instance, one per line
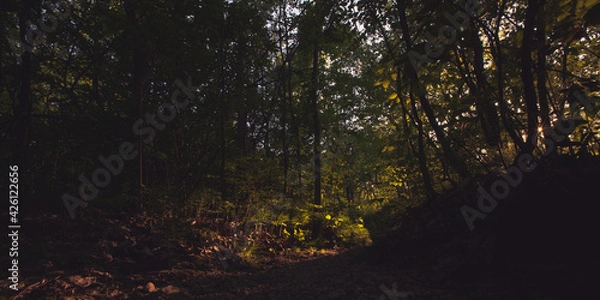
(81, 281)
(150, 287)
(169, 289)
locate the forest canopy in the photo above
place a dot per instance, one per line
(304, 117)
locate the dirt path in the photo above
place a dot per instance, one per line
(347, 275)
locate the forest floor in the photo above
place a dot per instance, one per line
(121, 265)
(129, 261)
(540, 243)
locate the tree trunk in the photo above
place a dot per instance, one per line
(140, 84)
(488, 116)
(420, 153)
(296, 131)
(316, 228)
(499, 61)
(541, 68)
(455, 161)
(284, 103)
(527, 74)
(222, 115)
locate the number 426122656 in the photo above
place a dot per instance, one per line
(13, 192)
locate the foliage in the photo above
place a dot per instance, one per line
(244, 150)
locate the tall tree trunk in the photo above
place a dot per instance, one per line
(295, 126)
(284, 103)
(241, 90)
(541, 68)
(222, 115)
(140, 84)
(499, 61)
(488, 116)
(455, 161)
(527, 74)
(284, 140)
(420, 153)
(316, 228)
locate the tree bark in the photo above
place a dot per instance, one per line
(420, 153)
(499, 61)
(316, 228)
(140, 84)
(284, 101)
(541, 68)
(488, 116)
(527, 74)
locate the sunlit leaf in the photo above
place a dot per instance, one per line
(388, 148)
(386, 84)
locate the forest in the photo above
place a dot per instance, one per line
(297, 149)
